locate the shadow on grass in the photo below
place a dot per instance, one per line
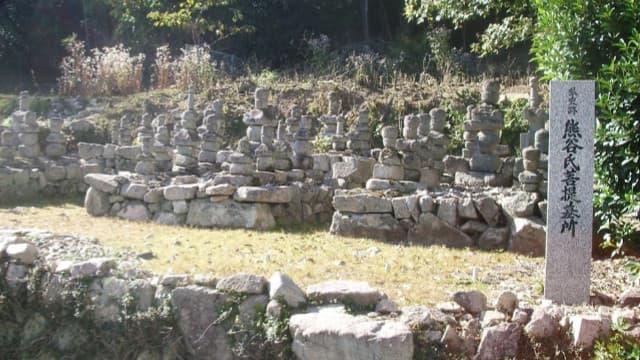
(42, 201)
(305, 227)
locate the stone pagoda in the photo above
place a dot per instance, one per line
(359, 142)
(56, 143)
(162, 144)
(186, 140)
(408, 145)
(389, 166)
(27, 128)
(330, 120)
(482, 131)
(302, 146)
(212, 136)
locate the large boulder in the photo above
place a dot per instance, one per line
(103, 182)
(335, 335)
(282, 287)
(197, 311)
(431, 230)
(528, 236)
(96, 202)
(499, 342)
(229, 213)
(355, 170)
(373, 226)
(520, 204)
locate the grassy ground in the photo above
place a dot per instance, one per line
(409, 275)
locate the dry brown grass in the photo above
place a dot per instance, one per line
(408, 274)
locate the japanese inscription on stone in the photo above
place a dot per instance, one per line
(570, 193)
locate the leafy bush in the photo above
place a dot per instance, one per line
(618, 347)
(581, 40)
(514, 122)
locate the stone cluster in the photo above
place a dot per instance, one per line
(469, 325)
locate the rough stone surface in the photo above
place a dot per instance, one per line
(134, 211)
(333, 335)
(520, 204)
(630, 297)
(180, 192)
(472, 301)
(352, 292)
(507, 302)
(499, 342)
(586, 329)
(362, 203)
(543, 324)
(103, 182)
(24, 253)
(282, 287)
(197, 309)
(488, 209)
(448, 211)
(431, 230)
(527, 236)
(243, 283)
(134, 191)
(231, 214)
(373, 226)
(270, 194)
(494, 238)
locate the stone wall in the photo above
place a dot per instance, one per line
(59, 177)
(491, 219)
(105, 308)
(189, 200)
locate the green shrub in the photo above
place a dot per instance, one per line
(618, 347)
(514, 123)
(599, 39)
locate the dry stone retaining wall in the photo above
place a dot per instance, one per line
(189, 201)
(490, 220)
(105, 308)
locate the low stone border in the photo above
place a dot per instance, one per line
(53, 308)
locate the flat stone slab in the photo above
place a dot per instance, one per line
(347, 292)
(103, 182)
(231, 214)
(362, 203)
(335, 335)
(265, 194)
(372, 226)
(243, 283)
(180, 192)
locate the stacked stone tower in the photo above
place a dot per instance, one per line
(360, 135)
(56, 144)
(482, 130)
(27, 128)
(186, 140)
(389, 166)
(212, 136)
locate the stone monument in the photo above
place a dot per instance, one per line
(186, 140)
(302, 146)
(330, 120)
(162, 144)
(360, 135)
(56, 144)
(389, 166)
(482, 130)
(212, 136)
(570, 194)
(28, 146)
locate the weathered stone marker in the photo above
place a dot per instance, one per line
(570, 193)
